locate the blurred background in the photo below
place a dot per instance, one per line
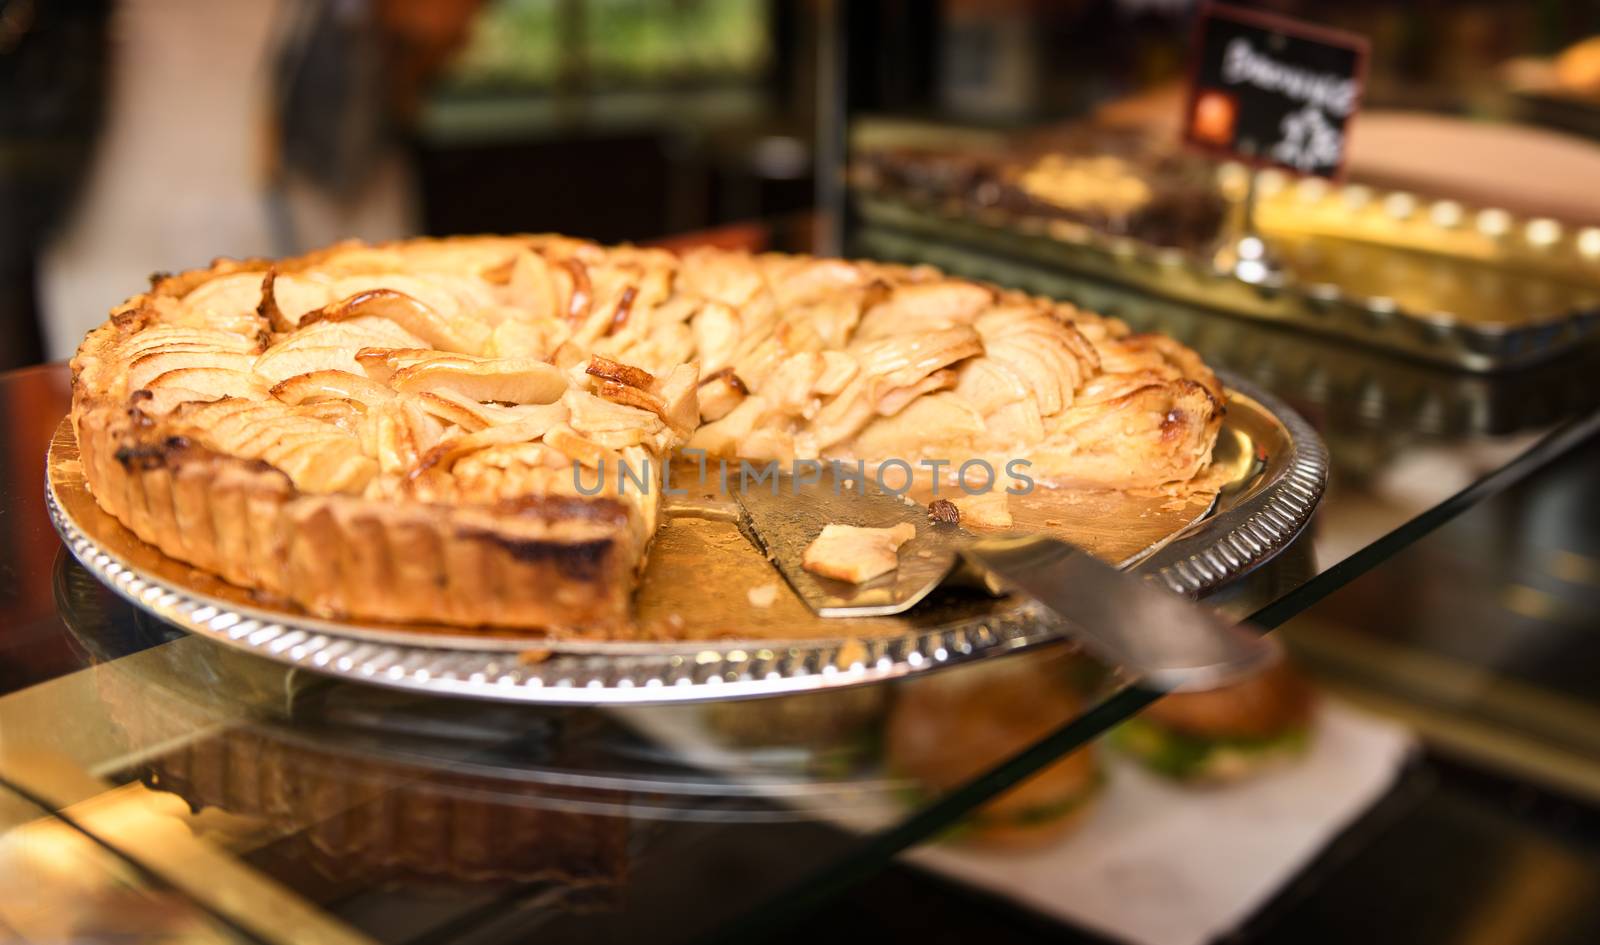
(152, 135)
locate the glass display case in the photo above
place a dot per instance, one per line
(1435, 574)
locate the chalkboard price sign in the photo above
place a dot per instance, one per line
(1273, 91)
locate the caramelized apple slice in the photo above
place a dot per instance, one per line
(331, 385)
(452, 408)
(268, 307)
(625, 374)
(460, 335)
(506, 380)
(380, 363)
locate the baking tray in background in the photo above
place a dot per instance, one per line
(1477, 289)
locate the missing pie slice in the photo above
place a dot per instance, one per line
(469, 431)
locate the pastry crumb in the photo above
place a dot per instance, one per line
(763, 596)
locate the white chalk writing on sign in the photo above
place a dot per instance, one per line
(1242, 64)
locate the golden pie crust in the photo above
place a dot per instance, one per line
(411, 431)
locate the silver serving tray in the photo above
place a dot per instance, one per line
(1282, 467)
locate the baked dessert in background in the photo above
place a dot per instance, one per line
(1227, 734)
(438, 430)
(1113, 181)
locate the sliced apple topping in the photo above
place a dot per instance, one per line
(402, 435)
(591, 413)
(1038, 349)
(226, 298)
(504, 380)
(720, 393)
(452, 408)
(726, 435)
(381, 363)
(463, 335)
(521, 339)
(443, 456)
(680, 399)
(674, 400)
(366, 332)
(181, 338)
(530, 285)
(895, 399)
(212, 382)
(940, 304)
(582, 449)
(472, 416)
(279, 363)
(332, 463)
(447, 295)
(147, 367)
(838, 369)
(525, 351)
(905, 359)
(164, 400)
(934, 423)
(717, 332)
(268, 307)
(627, 374)
(331, 385)
(344, 414)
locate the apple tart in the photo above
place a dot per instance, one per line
(431, 430)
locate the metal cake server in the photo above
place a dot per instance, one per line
(1164, 639)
